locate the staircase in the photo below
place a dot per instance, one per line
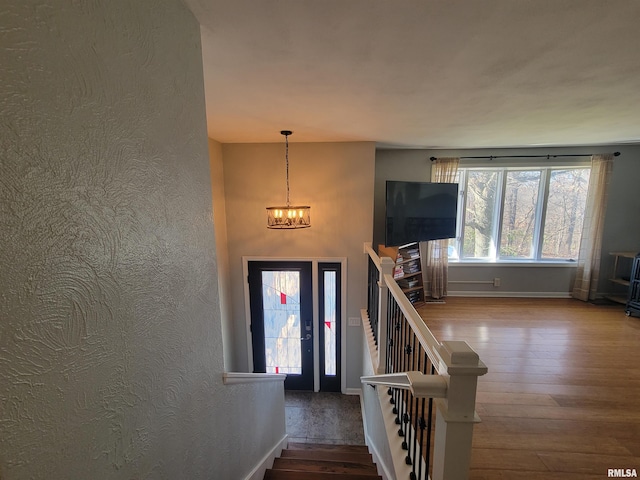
(312, 461)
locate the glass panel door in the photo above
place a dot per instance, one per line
(281, 309)
(281, 320)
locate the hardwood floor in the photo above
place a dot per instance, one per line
(562, 396)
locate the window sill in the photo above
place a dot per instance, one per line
(515, 263)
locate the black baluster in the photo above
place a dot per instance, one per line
(429, 425)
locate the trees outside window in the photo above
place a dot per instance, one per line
(526, 214)
(565, 213)
(479, 219)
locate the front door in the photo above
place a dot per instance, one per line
(282, 320)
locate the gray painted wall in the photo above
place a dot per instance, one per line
(622, 230)
(111, 354)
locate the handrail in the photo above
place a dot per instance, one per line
(375, 269)
(372, 254)
(232, 378)
(420, 385)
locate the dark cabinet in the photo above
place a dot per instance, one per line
(622, 264)
(633, 301)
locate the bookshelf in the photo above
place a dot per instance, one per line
(408, 270)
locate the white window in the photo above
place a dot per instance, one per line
(520, 214)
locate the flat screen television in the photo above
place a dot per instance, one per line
(420, 211)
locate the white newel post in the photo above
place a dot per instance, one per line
(456, 415)
(386, 265)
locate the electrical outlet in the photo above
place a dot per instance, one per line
(496, 282)
(354, 322)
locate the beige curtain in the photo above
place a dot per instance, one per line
(588, 269)
(434, 255)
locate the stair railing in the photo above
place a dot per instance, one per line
(431, 385)
(373, 292)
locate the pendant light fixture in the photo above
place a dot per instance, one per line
(288, 216)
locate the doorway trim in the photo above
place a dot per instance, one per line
(316, 311)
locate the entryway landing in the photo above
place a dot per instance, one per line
(323, 417)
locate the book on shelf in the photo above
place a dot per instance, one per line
(398, 271)
(414, 296)
(408, 282)
(412, 267)
(410, 253)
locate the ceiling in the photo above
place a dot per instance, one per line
(422, 74)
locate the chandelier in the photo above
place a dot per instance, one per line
(288, 216)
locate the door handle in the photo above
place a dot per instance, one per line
(307, 337)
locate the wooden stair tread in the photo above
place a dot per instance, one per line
(328, 447)
(324, 466)
(297, 475)
(314, 461)
(331, 455)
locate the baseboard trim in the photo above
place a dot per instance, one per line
(267, 461)
(364, 421)
(393, 471)
(381, 466)
(487, 294)
(353, 391)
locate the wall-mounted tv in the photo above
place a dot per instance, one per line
(420, 211)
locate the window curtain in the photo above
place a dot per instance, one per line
(434, 254)
(588, 270)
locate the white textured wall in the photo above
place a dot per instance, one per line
(336, 180)
(222, 252)
(110, 337)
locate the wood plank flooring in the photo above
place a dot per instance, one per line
(561, 400)
(313, 461)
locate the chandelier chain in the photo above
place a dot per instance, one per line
(286, 156)
(288, 217)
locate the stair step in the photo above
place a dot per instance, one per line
(296, 475)
(336, 455)
(328, 447)
(323, 466)
(315, 461)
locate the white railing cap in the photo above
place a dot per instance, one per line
(460, 359)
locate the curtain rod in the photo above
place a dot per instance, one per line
(491, 157)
